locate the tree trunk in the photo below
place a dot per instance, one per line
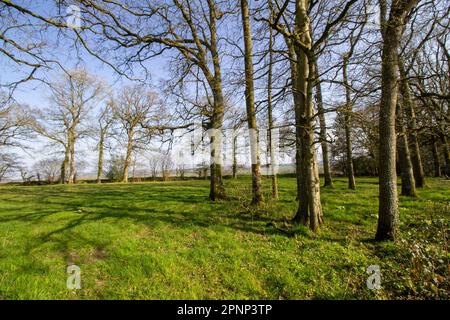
(133, 172)
(436, 161)
(446, 151)
(100, 159)
(302, 197)
(304, 115)
(416, 158)
(127, 163)
(323, 131)
(270, 144)
(387, 228)
(72, 159)
(250, 103)
(234, 166)
(217, 190)
(348, 128)
(310, 158)
(273, 165)
(64, 164)
(406, 170)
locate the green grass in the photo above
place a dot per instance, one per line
(167, 241)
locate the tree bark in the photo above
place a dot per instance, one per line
(391, 30)
(250, 103)
(217, 190)
(64, 164)
(127, 163)
(72, 158)
(323, 131)
(408, 183)
(271, 151)
(234, 146)
(348, 128)
(100, 159)
(416, 158)
(302, 214)
(436, 161)
(446, 151)
(311, 209)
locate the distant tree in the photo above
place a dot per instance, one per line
(190, 30)
(364, 137)
(14, 123)
(25, 174)
(8, 163)
(154, 163)
(47, 169)
(73, 97)
(134, 107)
(348, 109)
(114, 170)
(105, 122)
(181, 170)
(81, 164)
(167, 166)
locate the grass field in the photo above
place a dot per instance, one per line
(167, 241)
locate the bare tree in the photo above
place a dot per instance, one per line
(73, 97)
(154, 164)
(270, 122)
(406, 167)
(419, 176)
(250, 103)
(25, 44)
(134, 106)
(323, 130)
(105, 122)
(354, 39)
(24, 174)
(181, 170)
(391, 30)
(166, 166)
(234, 121)
(8, 163)
(301, 52)
(190, 28)
(114, 169)
(47, 169)
(14, 123)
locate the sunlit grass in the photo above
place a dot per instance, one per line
(167, 241)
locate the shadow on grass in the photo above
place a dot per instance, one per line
(148, 205)
(181, 206)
